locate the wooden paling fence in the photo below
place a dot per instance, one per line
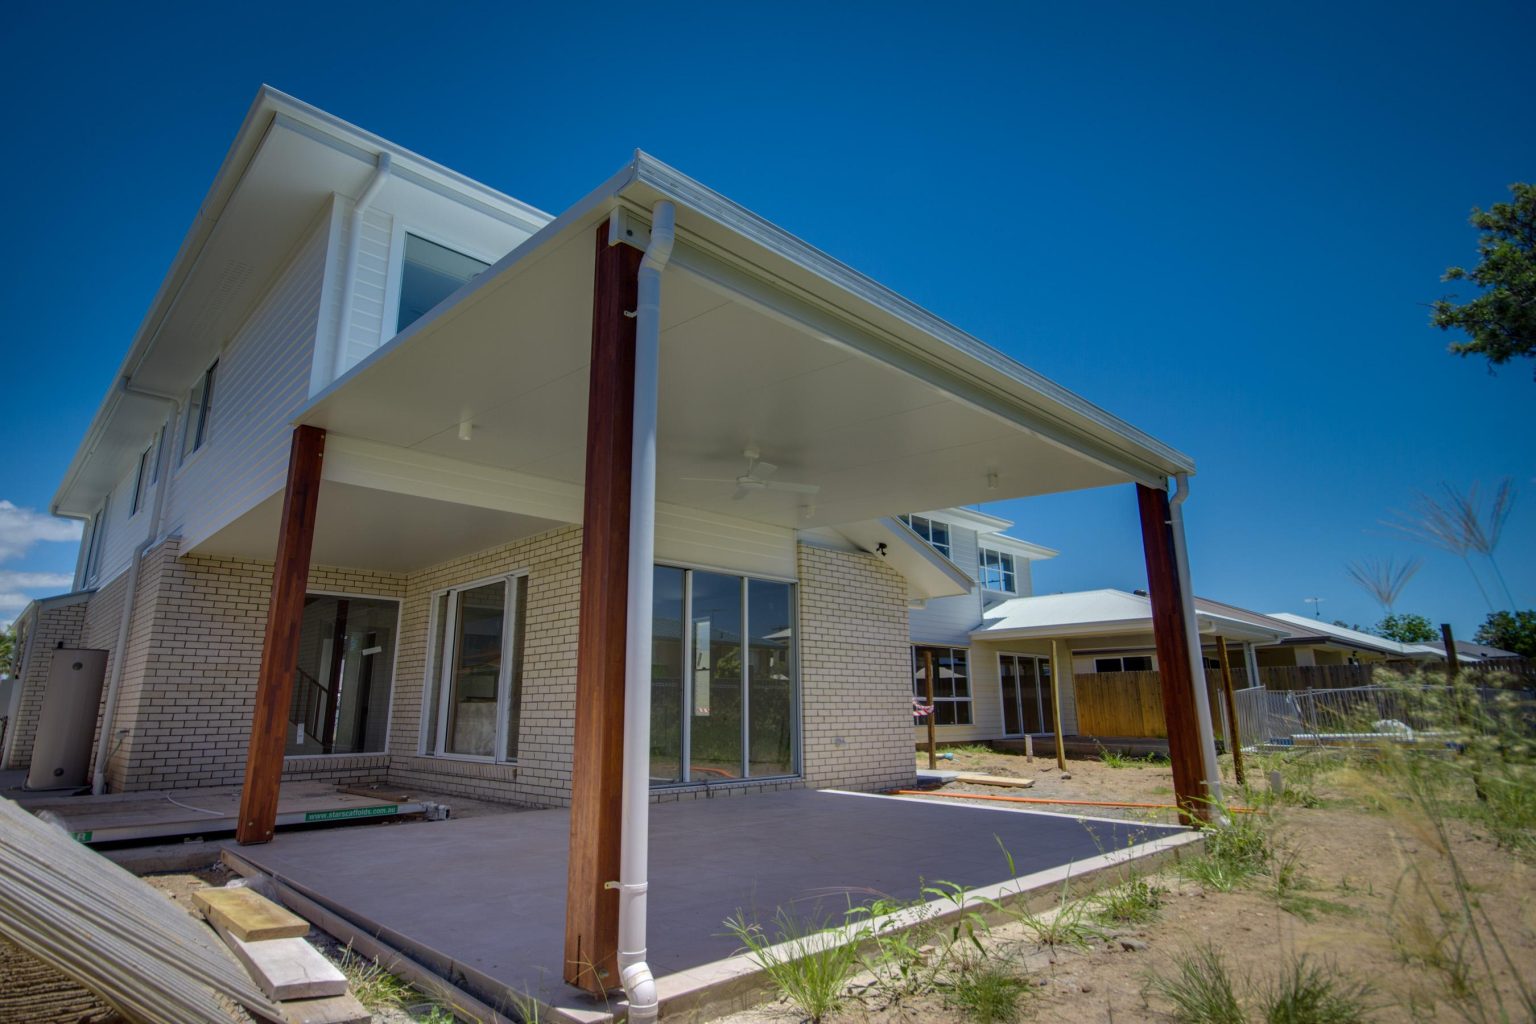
(1130, 704)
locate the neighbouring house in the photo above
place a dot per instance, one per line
(351, 324)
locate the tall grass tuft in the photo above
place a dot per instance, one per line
(1201, 989)
(809, 966)
(1310, 994)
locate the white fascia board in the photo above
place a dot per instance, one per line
(968, 517)
(930, 574)
(972, 365)
(1110, 627)
(1014, 546)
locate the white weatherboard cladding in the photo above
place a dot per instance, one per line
(263, 378)
(123, 531)
(369, 317)
(949, 620)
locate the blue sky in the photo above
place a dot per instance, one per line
(1221, 222)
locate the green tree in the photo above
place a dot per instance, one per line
(1509, 631)
(1501, 321)
(7, 650)
(1407, 628)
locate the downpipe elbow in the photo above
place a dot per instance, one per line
(640, 989)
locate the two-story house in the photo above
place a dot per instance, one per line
(422, 356)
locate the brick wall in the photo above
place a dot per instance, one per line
(542, 775)
(189, 683)
(59, 624)
(855, 673)
(195, 648)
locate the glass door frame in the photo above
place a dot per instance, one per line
(1041, 691)
(436, 744)
(797, 740)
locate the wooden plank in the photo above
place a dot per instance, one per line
(280, 647)
(287, 968)
(248, 915)
(1175, 673)
(333, 1010)
(597, 770)
(976, 779)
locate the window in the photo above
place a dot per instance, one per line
(722, 677)
(199, 411)
(93, 548)
(1130, 663)
(473, 700)
(951, 684)
(936, 534)
(341, 685)
(429, 273)
(141, 479)
(997, 572)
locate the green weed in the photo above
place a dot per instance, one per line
(809, 966)
(1201, 989)
(987, 992)
(375, 987)
(1309, 994)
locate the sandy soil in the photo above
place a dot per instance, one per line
(1356, 911)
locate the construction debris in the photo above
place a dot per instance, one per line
(248, 915)
(94, 922)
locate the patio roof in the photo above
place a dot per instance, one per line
(1108, 612)
(767, 344)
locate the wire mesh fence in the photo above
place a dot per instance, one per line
(1289, 717)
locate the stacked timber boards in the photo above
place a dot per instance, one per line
(269, 941)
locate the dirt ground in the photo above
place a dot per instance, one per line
(1350, 906)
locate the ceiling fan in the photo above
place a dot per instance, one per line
(756, 478)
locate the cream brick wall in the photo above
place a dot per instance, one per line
(855, 675)
(195, 648)
(54, 626)
(189, 684)
(542, 774)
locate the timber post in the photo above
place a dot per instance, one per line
(1173, 657)
(1231, 705)
(597, 769)
(933, 712)
(280, 645)
(1061, 748)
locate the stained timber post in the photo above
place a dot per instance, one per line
(280, 646)
(597, 770)
(1174, 661)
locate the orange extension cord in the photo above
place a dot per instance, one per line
(1048, 800)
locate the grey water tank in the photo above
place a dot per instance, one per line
(61, 753)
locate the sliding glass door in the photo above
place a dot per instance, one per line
(1028, 703)
(341, 684)
(722, 677)
(473, 704)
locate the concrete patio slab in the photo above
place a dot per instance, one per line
(482, 901)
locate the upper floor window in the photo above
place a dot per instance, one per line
(429, 273)
(199, 411)
(141, 479)
(936, 534)
(93, 545)
(997, 572)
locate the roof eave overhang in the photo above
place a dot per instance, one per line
(269, 106)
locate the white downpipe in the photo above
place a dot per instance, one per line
(1251, 660)
(1192, 635)
(120, 650)
(635, 828)
(349, 276)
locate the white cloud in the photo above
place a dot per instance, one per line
(14, 584)
(21, 528)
